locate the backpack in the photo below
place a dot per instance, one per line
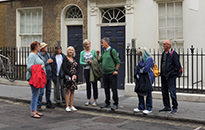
(155, 70)
(179, 73)
(113, 57)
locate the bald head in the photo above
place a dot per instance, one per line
(168, 42)
(167, 45)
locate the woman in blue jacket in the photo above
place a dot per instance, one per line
(144, 78)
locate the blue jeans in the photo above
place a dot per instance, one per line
(141, 105)
(169, 85)
(34, 99)
(48, 94)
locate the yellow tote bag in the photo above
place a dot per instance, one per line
(155, 70)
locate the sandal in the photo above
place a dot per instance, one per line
(36, 116)
(40, 114)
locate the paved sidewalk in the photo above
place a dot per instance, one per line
(188, 111)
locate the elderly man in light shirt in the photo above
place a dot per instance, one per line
(59, 93)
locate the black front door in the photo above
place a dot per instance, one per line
(75, 39)
(117, 41)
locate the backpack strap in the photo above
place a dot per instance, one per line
(93, 52)
(112, 56)
(172, 53)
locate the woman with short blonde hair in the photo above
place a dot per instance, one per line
(69, 67)
(86, 57)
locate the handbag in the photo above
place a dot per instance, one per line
(143, 85)
(155, 70)
(68, 79)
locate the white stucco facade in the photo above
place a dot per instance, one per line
(142, 22)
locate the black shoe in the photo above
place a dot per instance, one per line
(173, 111)
(50, 106)
(58, 104)
(114, 107)
(105, 106)
(39, 108)
(165, 109)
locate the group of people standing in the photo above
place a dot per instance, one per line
(62, 70)
(55, 68)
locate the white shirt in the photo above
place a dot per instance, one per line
(59, 60)
(88, 56)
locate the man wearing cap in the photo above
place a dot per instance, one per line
(59, 92)
(45, 56)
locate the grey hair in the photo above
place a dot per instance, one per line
(71, 47)
(106, 39)
(85, 42)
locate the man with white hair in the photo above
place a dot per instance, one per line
(170, 66)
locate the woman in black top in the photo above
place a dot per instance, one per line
(69, 67)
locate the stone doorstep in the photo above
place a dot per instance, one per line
(129, 91)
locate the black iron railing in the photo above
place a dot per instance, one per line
(192, 61)
(18, 57)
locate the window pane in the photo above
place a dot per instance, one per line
(22, 23)
(162, 34)
(170, 14)
(27, 40)
(31, 21)
(30, 26)
(113, 15)
(170, 21)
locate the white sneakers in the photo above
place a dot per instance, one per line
(137, 110)
(73, 108)
(143, 111)
(146, 112)
(68, 109)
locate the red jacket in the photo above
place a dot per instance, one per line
(38, 76)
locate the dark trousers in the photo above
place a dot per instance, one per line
(169, 85)
(59, 92)
(48, 93)
(110, 82)
(88, 85)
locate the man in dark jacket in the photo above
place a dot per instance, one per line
(56, 75)
(170, 66)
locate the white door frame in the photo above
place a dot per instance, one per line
(68, 22)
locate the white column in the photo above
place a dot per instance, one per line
(92, 24)
(129, 29)
(129, 21)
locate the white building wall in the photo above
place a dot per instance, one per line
(146, 21)
(194, 25)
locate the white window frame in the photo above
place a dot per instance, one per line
(18, 34)
(22, 57)
(176, 41)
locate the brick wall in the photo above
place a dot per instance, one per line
(2, 24)
(51, 18)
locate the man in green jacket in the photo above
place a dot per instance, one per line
(110, 66)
